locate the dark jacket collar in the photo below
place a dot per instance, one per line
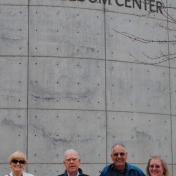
(79, 170)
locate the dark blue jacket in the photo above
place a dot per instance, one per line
(130, 170)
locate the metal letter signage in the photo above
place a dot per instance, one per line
(151, 4)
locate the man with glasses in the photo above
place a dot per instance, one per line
(72, 162)
(120, 167)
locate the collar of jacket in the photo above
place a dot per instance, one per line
(79, 170)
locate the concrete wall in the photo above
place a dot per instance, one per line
(68, 79)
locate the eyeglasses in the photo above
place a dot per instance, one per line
(18, 161)
(117, 154)
(152, 166)
(71, 159)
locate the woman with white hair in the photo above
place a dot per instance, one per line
(17, 162)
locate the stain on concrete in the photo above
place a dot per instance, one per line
(11, 123)
(45, 98)
(42, 93)
(141, 134)
(9, 38)
(48, 136)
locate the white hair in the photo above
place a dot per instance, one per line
(70, 150)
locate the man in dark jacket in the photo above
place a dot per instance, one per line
(120, 167)
(72, 162)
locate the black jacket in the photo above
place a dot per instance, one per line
(80, 172)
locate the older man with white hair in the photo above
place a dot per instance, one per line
(72, 162)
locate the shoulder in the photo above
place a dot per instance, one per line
(64, 174)
(135, 169)
(106, 170)
(81, 172)
(27, 174)
(9, 174)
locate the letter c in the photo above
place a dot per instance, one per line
(118, 3)
(92, 1)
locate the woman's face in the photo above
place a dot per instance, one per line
(156, 168)
(17, 164)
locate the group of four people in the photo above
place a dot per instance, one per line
(156, 165)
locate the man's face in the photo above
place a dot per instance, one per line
(72, 162)
(119, 157)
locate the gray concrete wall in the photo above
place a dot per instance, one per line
(68, 79)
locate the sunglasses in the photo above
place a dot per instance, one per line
(18, 161)
(152, 166)
(117, 154)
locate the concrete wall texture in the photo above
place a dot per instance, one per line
(69, 79)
